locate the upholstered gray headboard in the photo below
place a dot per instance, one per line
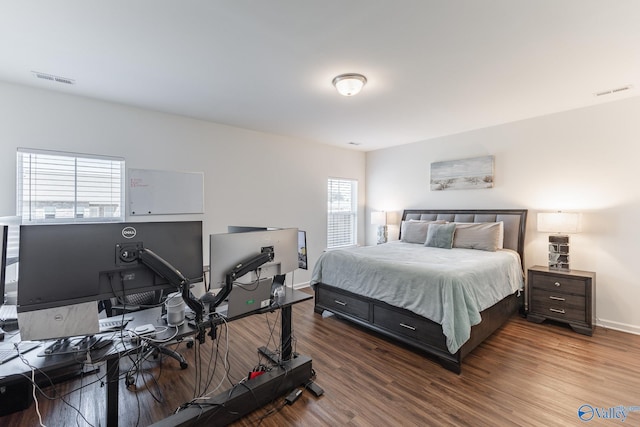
(515, 221)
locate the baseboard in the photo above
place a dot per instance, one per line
(622, 327)
(301, 285)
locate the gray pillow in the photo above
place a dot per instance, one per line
(485, 236)
(440, 235)
(416, 231)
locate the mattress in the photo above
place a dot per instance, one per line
(447, 286)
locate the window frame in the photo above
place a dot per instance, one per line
(83, 175)
(338, 210)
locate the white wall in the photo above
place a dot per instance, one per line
(583, 160)
(251, 178)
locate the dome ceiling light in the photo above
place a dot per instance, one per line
(349, 84)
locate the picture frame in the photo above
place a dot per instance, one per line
(464, 174)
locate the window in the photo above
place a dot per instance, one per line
(342, 213)
(68, 187)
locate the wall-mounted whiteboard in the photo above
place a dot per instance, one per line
(154, 192)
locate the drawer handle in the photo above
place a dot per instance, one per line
(557, 284)
(556, 298)
(340, 302)
(407, 326)
(555, 310)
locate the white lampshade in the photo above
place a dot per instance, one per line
(379, 218)
(349, 84)
(559, 222)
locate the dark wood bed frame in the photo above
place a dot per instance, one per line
(417, 331)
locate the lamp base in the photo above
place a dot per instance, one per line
(559, 252)
(382, 234)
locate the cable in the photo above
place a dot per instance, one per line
(36, 386)
(35, 398)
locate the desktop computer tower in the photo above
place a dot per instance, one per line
(15, 395)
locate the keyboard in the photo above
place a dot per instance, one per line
(114, 323)
(8, 350)
(8, 312)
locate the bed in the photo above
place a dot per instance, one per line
(470, 292)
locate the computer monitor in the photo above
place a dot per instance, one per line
(68, 264)
(302, 250)
(10, 269)
(227, 250)
(244, 229)
(3, 261)
(302, 240)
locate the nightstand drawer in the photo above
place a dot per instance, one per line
(558, 284)
(340, 303)
(558, 305)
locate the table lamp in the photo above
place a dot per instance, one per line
(380, 219)
(561, 223)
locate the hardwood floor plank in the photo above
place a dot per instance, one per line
(526, 374)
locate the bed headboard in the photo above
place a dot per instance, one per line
(515, 221)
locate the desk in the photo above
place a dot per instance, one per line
(292, 371)
(15, 368)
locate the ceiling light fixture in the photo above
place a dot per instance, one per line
(349, 84)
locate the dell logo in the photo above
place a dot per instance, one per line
(58, 317)
(129, 232)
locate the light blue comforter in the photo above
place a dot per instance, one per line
(448, 286)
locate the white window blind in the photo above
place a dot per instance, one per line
(342, 212)
(68, 187)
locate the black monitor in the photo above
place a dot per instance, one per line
(65, 264)
(3, 261)
(9, 257)
(244, 229)
(302, 250)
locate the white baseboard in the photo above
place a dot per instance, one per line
(301, 285)
(622, 327)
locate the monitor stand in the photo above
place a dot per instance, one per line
(74, 345)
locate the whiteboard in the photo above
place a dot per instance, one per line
(155, 192)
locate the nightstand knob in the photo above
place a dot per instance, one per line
(557, 284)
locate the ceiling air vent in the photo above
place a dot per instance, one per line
(53, 78)
(612, 91)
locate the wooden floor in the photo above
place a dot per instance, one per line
(525, 374)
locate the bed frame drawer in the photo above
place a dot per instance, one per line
(416, 328)
(340, 303)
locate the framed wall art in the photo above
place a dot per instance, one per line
(464, 174)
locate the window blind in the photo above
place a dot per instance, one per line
(342, 212)
(68, 187)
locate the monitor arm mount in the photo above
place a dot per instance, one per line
(165, 270)
(240, 270)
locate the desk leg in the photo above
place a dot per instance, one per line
(285, 333)
(285, 339)
(113, 374)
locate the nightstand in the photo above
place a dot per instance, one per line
(566, 296)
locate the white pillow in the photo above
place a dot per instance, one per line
(485, 236)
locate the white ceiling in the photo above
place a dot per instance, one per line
(435, 67)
